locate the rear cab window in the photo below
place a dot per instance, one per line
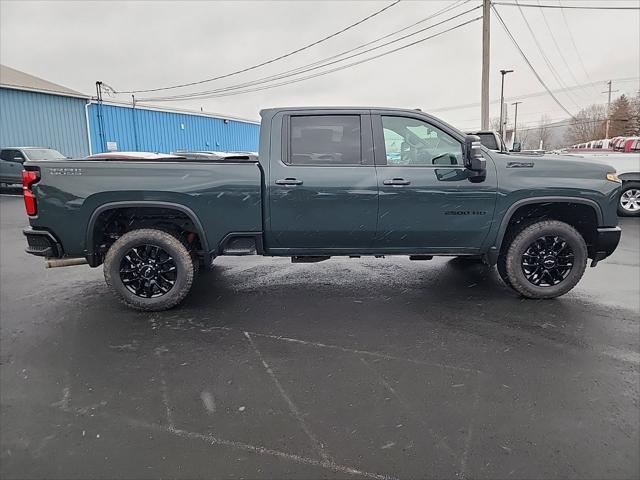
(43, 154)
(10, 155)
(325, 140)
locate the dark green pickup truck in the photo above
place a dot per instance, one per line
(327, 182)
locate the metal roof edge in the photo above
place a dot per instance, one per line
(146, 106)
(79, 95)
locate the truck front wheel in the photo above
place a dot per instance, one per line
(149, 269)
(545, 260)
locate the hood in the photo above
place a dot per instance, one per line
(621, 162)
(565, 166)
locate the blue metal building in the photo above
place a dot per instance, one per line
(124, 128)
(36, 112)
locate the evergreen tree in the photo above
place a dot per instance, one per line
(621, 117)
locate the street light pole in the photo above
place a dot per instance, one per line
(503, 73)
(515, 121)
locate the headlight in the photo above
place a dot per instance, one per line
(612, 177)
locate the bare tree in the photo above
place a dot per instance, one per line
(538, 135)
(588, 124)
(635, 114)
(495, 124)
(635, 118)
(523, 135)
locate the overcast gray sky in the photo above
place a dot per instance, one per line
(147, 44)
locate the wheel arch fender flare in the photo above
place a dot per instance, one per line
(494, 251)
(629, 177)
(89, 235)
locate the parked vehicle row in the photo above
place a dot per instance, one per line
(619, 144)
(327, 182)
(11, 160)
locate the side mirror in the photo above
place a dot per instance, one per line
(473, 158)
(517, 147)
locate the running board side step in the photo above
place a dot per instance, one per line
(308, 258)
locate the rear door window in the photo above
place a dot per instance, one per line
(325, 140)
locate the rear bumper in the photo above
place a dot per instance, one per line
(606, 241)
(42, 243)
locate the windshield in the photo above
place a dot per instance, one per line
(43, 154)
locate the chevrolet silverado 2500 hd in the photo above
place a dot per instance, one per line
(327, 182)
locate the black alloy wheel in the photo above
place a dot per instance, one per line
(148, 271)
(547, 261)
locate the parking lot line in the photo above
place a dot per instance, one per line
(292, 407)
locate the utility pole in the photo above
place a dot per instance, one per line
(486, 27)
(99, 116)
(502, 112)
(515, 121)
(606, 131)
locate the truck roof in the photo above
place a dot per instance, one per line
(270, 112)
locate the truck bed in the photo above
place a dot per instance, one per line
(224, 195)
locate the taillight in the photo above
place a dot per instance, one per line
(29, 177)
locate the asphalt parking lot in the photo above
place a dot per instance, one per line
(368, 368)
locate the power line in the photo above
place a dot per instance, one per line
(371, 42)
(575, 47)
(532, 95)
(267, 62)
(506, 29)
(576, 7)
(555, 42)
(552, 69)
(304, 69)
(309, 67)
(342, 67)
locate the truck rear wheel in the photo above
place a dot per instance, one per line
(149, 269)
(545, 260)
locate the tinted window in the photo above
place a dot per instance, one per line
(409, 141)
(11, 155)
(489, 141)
(325, 140)
(43, 154)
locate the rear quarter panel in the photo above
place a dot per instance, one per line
(225, 197)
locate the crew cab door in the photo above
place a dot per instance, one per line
(322, 187)
(428, 199)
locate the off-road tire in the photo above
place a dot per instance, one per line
(170, 244)
(510, 261)
(623, 212)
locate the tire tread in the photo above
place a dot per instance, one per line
(164, 302)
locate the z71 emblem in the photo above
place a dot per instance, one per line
(65, 171)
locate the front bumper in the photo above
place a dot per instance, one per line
(42, 243)
(605, 243)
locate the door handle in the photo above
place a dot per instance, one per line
(396, 181)
(288, 181)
